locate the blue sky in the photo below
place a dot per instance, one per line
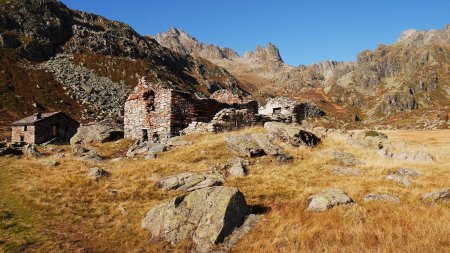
(305, 31)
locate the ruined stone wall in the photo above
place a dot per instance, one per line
(231, 119)
(285, 105)
(18, 131)
(183, 111)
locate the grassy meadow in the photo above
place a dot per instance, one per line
(59, 209)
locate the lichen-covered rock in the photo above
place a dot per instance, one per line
(30, 150)
(244, 145)
(407, 172)
(237, 167)
(97, 173)
(401, 180)
(292, 134)
(415, 156)
(443, 194)
(206, 216)
(345, 171)
(327, 199)
(190, 181)
(344, 158)
(148, 149)
(96, 133)
(381, 197)
(78, 150)
(269, 147)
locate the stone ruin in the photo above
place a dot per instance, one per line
(154, 111)
(289, 111)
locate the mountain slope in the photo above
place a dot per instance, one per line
(32, 32)
(401, 84)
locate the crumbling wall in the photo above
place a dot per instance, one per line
(28, 135)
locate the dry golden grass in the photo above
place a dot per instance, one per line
(76, 213)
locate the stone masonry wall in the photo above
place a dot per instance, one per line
(18, 131)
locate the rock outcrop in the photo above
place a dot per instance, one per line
(255, 145)
(189, 181)
(96, 133)
(327, 199)
(292, 134)
(381, 197)
(443, 194)
(206, 216)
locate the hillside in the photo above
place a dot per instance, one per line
(55, 58)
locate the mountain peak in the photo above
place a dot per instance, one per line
(180, 41)
(262, 54)
(414, 38)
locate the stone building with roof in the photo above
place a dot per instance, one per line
(154, 111)
(43, 127)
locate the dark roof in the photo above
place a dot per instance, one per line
(31, 120)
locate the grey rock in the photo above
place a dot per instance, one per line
(402, 180)
(327, 199)
(50, 163)
(244, 145)
(97, 173)
(207, 216)
(407, 172)
(96, 133)
(443, 194)
(345, 158)
(238, 167)
(381, 197)
(269, 147)
(190, 181)
(292, 134)
(148, 149)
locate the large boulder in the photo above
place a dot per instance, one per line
(190, 181)
(292, 134)
(327, 199)
(244, 145)
(269, 147)
(148, 149)
(96, 133)
(206, 216)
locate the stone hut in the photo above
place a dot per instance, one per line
(42, 127)
(154, 111)
(281, 107)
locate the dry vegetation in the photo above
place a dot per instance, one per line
(58, 209)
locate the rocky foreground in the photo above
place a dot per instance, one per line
(233, 191)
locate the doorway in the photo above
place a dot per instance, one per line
(55, 130)
(144, 134)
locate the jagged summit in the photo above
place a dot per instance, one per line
(414, 38)
(263, 54)
(181, 42)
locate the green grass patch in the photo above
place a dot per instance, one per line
(17, 228)
(372, 133)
